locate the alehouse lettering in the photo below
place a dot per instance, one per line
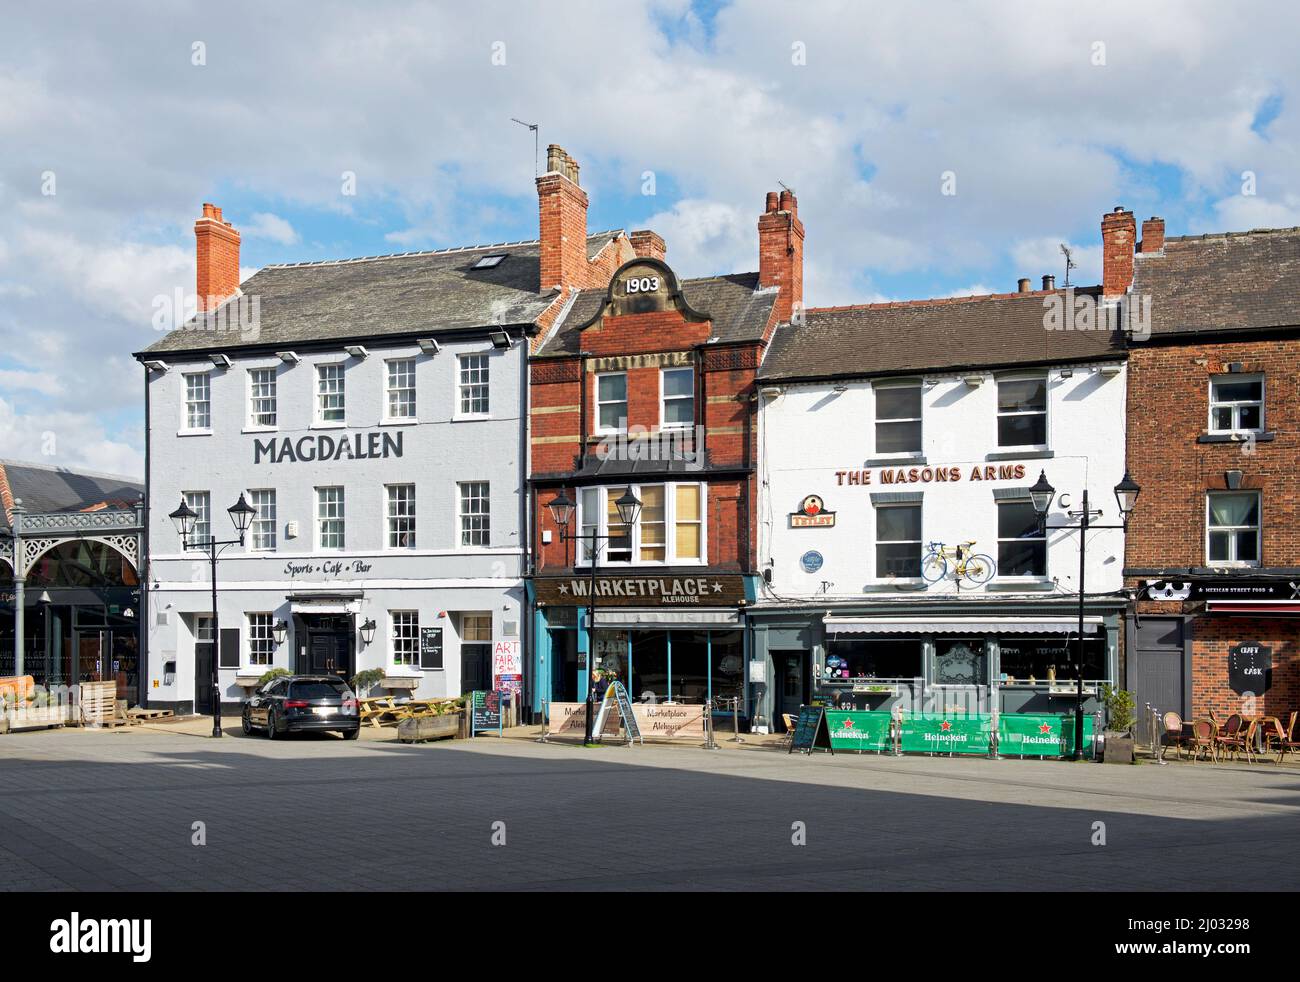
(359, 446)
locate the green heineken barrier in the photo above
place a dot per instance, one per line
(859, 730)
(931, 733)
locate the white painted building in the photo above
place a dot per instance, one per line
(893, 433)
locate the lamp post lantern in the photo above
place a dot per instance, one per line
(1041, 494)
(561, 509)
(185, 519)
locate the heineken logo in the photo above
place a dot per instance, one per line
(1045, 728)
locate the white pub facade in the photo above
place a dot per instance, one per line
(897, 433)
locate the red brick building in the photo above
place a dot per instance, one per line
(1213, 430)
(645, 385)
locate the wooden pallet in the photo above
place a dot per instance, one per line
(138, 714)
(98, 704)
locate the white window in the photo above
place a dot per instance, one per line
(329, 394)
(668, 530)
(1236, 403)
(261, 397)
(898, 541)
(198, 401)
(1232, 528)
(1022, 545)
(898, 418)
(261, 642)
(262, 527)
(611, 402)
(200, 503)
(406, 636)
(401, 388)
(1022, 412)
(678, 408)
(330, 517)
(475, 514)
(473, 385)
(203, 628)
(401, 516)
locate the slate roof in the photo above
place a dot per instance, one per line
(738, 310)
(1224, 282)
(56, 489)
(403, 294)
(1003, 329)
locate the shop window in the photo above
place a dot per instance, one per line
(1026, 660)
(1232, 528)
(690, 667)
(330, 406)
(728, 663)
(1022, 546)
(898, 418)
(400, 403)
(678, 387)
(860, 658)
(960, 662)
(198, 402)
(1236, 403)
(898, 541)
(1022, 412)
(611, 652)
(261, 398)
(649, 666)
(611, 402)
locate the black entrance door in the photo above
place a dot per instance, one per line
(1156, 665)
(792, 682)
(475, 666)
(329, 646)
(203, 677)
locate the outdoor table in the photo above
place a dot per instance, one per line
(1261, 729)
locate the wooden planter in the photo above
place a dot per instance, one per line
(423, 728)
(37, 717)
(1118, 748)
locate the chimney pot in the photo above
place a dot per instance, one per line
(562, 208)
(773, 199)
(1022, 284)
(1049, 281)
(648, 244)
(788, 202)
(780, 252)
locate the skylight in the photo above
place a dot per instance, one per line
(487, 262)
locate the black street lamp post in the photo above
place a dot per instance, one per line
(184, 518)
(1041, 494)
(561, 508)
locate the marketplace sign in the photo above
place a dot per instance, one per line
(664, 721)
(882, 476)
(642, 591)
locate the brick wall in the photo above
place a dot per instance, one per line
(217, 254)
(1213, 636)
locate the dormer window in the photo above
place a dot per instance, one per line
(488, 262)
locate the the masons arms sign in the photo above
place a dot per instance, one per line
(675, 590)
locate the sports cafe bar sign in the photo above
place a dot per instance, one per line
(695, 589)
(943, 474)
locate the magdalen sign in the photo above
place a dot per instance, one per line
(1250, 668)
(323, 447)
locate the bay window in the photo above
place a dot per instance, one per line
(669, 529)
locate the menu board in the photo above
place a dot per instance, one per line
(431, 647)
(810, 731)
(485, 710)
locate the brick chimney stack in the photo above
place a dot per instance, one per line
(1153, 235)
(563, 210)
(1118, 235)
(217, 245)
(648, 244)
(780, 251)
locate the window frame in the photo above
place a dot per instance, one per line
(187, 402)
(259, 519)
(1043, 538)
(397, 623)
(462, 385)
(389, 390)
(876, 420)
(602, 507)
(318, 415)
(598, 403)
(462, 515)
(877, 542)
(1258, 527)
(251, 421)
(1235, 405)
(341, 518)
(1045, 412)
(257, 639)
(664, 398)
(390, 529)
(203, 509)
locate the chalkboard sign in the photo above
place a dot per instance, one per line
(1250, 668)
(485, 711)
(617, 695)
(810, 731)
(431, 647)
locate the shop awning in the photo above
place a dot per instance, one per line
(1252, 608)
(614, 618)
(958, 625)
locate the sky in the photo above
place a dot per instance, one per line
(936, 148)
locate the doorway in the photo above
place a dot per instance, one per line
(475, 652)
(1157, 664)
(330, 645)
(792, 680)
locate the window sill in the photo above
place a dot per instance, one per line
(194, 433)
(476, 418)
(1218, 566)
(1238, 436)
(1029, 453)
(898, 584)
(319, 425)
(1028, 584)
(260, 429)
(890, 461)
(398, 422)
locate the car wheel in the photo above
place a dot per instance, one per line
(352, 734)
(248, 722)
(270, 724)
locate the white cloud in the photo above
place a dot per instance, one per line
(264, 225)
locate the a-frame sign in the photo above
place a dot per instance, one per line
(616, 697)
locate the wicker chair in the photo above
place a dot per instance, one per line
(1232, 740)
(1284, 740)
(1203, 732)
(1173, 735)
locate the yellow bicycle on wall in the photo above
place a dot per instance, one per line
(967, 564)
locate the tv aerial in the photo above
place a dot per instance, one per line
(533, 127)
(1069, 263)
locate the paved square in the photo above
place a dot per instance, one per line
(115, 811)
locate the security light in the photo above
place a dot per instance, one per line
(429, 346)
(157, 366)
(500, 339)
(356, 350)
(221, 361)
(288, 357)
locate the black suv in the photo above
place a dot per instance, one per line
(292, 703)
